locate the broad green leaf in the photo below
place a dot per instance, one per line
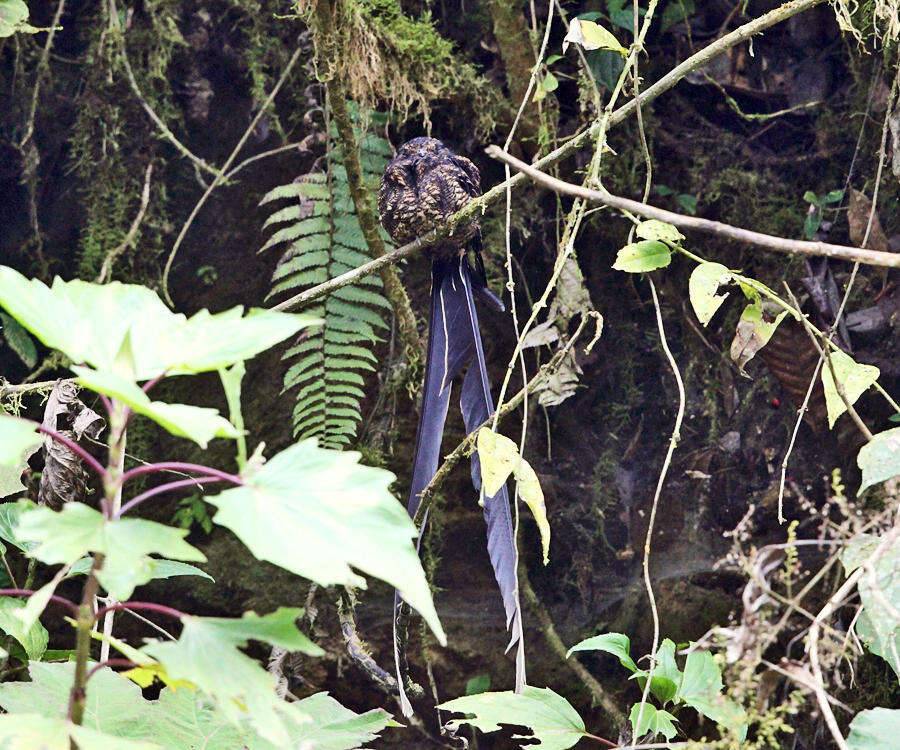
(703, 287)
(499, 456)
(18, 339)
(616, 644)
(17, 437)
(11, 475)
(875, 729)
(666, 676)
(35, 604)
(646, 255)
(183, 719)
(68, 535)
(231, 378)
(13, 13)
(550, 82)
(654, 229)
(158, 568)
(194, 422)
(855, 378)
(590, 35)
(36, 732)
(871, 635)
(879, 459)
(752, 333)
(701, 688)
(652, 720)
(550, 717)
(115, 706)
(334, 727)
(330, 513)
(10, 513)
(207, 653)
(89, 322)
(34, 639)
(876, 626)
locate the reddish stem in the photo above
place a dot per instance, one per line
(179, 466)
(149, 606)
(107, 404)
(153, 381)
(164, 488)
(29, 592)
(109, 663)
(75, 448)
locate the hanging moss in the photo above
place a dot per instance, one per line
(112, 134)
(404, 62)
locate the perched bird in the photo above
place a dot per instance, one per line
(422, 186)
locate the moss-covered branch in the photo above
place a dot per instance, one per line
(328, 54)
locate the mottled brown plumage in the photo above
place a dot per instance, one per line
(424, 185)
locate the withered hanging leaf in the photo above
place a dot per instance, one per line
(753, 332)
(858, 210)
(62, 479)
(571, 299)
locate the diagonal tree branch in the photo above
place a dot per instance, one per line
(480, 205)
(780, 244)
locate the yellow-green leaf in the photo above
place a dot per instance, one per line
(646, 255)
(590, 35)
(654, 229)
(703, 287)
(855, 378)
(498, 455)
(531, 492)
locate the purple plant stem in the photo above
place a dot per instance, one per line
(164, 488)
(149, 606)
(179, 466)
(107, 404)
(29, 592)
(75, 448)
(109, 663)
(153, 381)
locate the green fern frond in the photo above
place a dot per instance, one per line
(320, 238)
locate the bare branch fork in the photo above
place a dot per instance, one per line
(480, 205)
(780, 244)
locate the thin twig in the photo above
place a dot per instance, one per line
(111, 256)
(673, 442)
(41, 70)
(220, 175)
(116, 29)
(264, 155)
(780, 244)
(9, 389)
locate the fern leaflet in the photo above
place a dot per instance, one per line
(321, 239)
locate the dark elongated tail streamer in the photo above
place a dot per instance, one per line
(453, 340)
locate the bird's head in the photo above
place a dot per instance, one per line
(419, 148)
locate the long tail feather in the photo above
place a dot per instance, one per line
(448, 352)
(477, 405)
